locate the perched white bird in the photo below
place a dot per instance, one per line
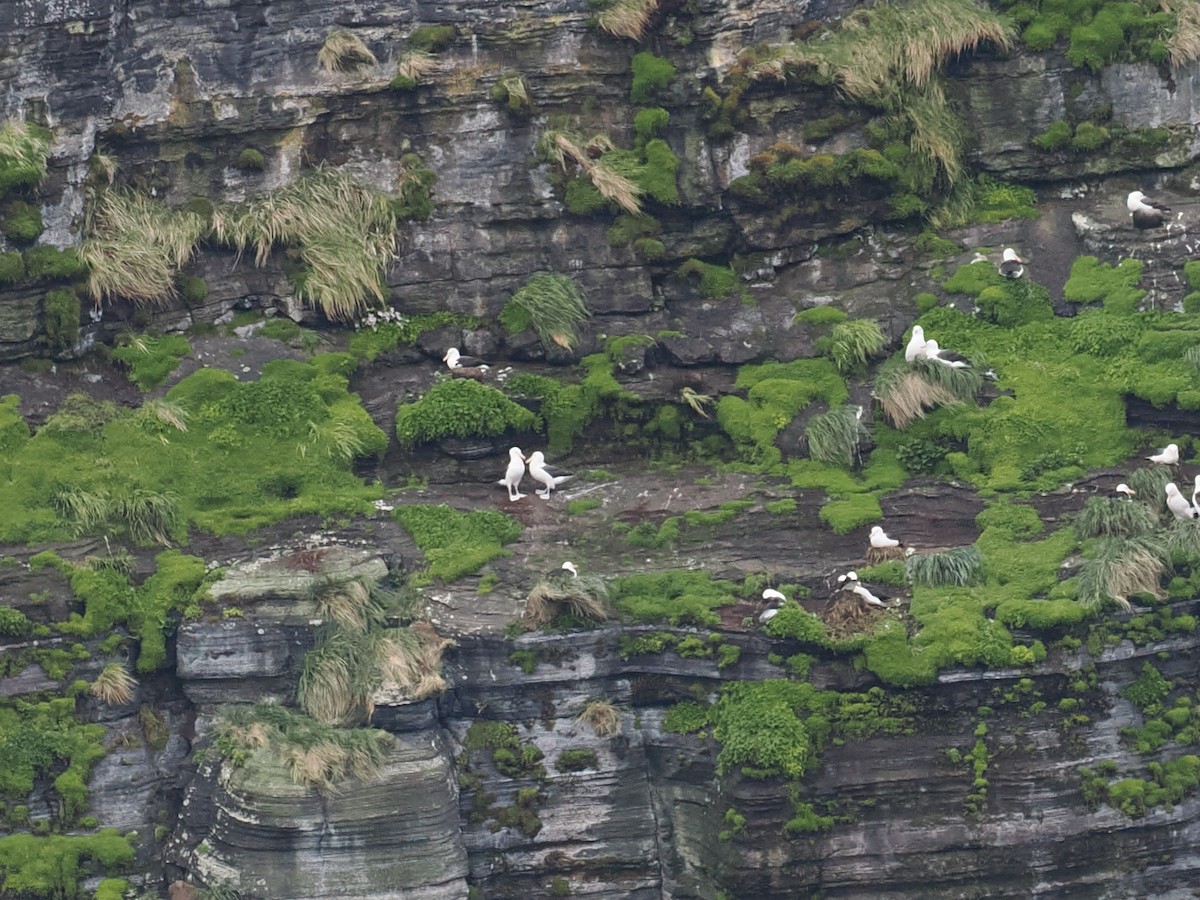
(866, 595)
(1195, 491)
(1012, 265)
(767, 615)
(916, 344)
(946, 357)
(550, 476)
(455, 360)
(513, 474)
(1129, 492)
(881, 541)
(1168, 456)
(1144, 211)
(1178, 504)
(772, 594)
(570, 567)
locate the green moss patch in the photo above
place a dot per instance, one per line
(460, 407)
(679, 597)
(151, 359)
(457, 543)
(53, 866)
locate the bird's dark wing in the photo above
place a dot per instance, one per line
(1158, 206)
(471, 362)
(951, 356)
(556, 472)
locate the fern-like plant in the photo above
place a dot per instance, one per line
(833, 437)
(958, 567)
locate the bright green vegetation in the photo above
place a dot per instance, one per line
(432, 38)
(499, 744)
(854, 342)
(651, 74)
(583, 504)
(1099, 32)
(110, 599)
(688, 646)
(52, 264)
(713, 281)
(550, 304)
(343, 232)
(23, 152)
(368, 343)
(460, 407)
(511, 90)
(975, 761)
(833, 437)
(33, 866)
(680, 597)
(315, 755)
(45, 740)
(21, 222)
(576, 760)
(457, 543)
(1167, 785)
(12, 267)
(598, 176)
(151, 359)
(959, 567)
(219, 455)
(135, 246)
(1086, 137)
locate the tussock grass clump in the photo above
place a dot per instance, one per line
(627, 18)
(1113, 517)
(347, 603)
(1119, 567)
(887, 56)
(1150, 484)
(413, 67)
(114, 685)
(852, 343)
(908, 391)
(345, 232)
(1183, 44)
(148, 516)
(23, 152)
(603, 716)
(344, 51)
(833, 437)
(550, 304)
(315, 755)
(135, 247)
(958, 567)
(584, 597)
(563, 149)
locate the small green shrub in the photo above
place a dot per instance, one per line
(251, 160)
(12, 268)
(21, 222)
(1056, 137)
(715, 282)
(193, 290)
(958, 567)
(152, 359)
(1089, 138)
(651, 74)
(60, 319)
(432, 38)
(24, 148)
(576, 760)
(51, 264)
(460, 407)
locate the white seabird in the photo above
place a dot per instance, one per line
(849, 576)
(881, 541)
(866, 595)
(772, 594)
(916, 344)
(1168, 456)
(767, 615)
(1144, 211)
(550, 476)
(1178, 504)
(946, 357)
(1125, 489)
(455, 360)
(513, 474)
(1012, 266)
(1195, 491)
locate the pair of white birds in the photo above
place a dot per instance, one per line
(920, 348)
(550, 476)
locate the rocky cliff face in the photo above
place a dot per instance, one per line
(174, 92)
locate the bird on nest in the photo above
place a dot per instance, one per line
(1168, 456)
(1012, 266)
(1144, 212)
(455, 360)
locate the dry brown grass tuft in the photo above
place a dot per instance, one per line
(603, 716)
(344, 51)
(562, 148)
(114, 685)
(347, 603)
(627, 18)
(910, 397)
(849, 616)
(585, 597)
(135, 246)
(411, 659)
(1184, 42)
(416, 64)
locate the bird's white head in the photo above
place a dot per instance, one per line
(932, 347)
(1135, 200)
(536, 458)
(1171, 488)
(1123, 488)
(918, 332)
(877, 529)
(1010, 255)
(570, 567)
(451, 356)
(514, 453)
